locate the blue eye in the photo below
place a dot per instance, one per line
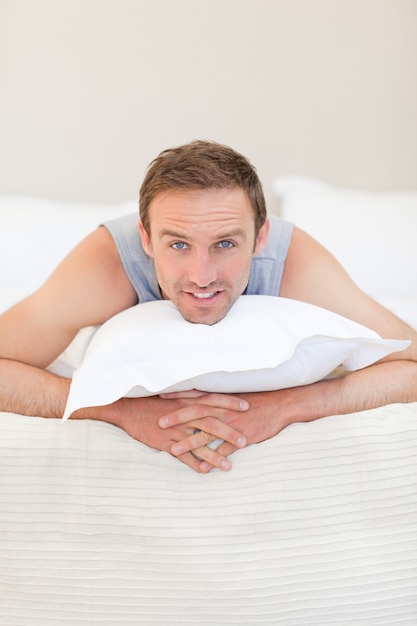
(179, 245)
(225, 244)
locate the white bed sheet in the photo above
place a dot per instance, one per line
(317, 526)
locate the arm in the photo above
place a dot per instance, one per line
(377, 385)
(86, 289)
(33, 391)
(313, 275)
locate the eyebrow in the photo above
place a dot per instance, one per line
(236, 232)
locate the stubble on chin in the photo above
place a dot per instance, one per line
(201, 316)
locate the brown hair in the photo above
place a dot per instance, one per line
(201, 165)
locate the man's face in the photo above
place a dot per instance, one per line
(202, 243)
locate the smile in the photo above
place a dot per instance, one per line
(209, 294)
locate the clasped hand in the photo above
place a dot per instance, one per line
(183, 423)
(203, 419)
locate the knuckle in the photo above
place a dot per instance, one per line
(207, 437)
(211, 422)
(198, 411)
(214, 399)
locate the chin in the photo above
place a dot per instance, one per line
(203, 314)
(209, 318)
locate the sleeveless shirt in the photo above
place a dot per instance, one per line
(265, 273)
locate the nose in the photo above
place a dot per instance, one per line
(202, 271)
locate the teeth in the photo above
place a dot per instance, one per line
(204, 295)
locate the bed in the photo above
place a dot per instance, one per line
(317, 526)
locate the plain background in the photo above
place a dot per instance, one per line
(92, 90)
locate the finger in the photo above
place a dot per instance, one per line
(191, 393)
(226, 449)
(209, 430)
(213, 444)
(205, 467)
(191, 443)
(225, 401)
(195, 464)
(213, 405)
(211, 458)
(216, 429)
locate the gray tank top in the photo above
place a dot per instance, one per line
(265, 274)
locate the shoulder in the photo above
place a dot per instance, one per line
(124, 229)
(312, 274)
(91, 280)
(88, 287)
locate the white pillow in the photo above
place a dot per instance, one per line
(36, 234)
(72, 357)
(373, 235)
(263, 343)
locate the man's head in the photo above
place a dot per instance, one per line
(202, 221)
(201, 165)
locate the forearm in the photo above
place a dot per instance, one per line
(30, 390)
(272, 411)
(378, 385)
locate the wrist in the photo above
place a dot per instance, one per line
(109, 413)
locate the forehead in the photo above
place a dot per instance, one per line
(218, 208)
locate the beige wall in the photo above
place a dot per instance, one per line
(91, 90)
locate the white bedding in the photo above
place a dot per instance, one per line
(317, 526)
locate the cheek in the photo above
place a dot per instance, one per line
(242, 262)
(166, 271)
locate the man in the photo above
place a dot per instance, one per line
(203, 240)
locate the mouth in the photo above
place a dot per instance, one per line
(206, 295)
(203, 307)
(204, 298)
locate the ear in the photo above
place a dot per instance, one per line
(146, 242)
(262, 238)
